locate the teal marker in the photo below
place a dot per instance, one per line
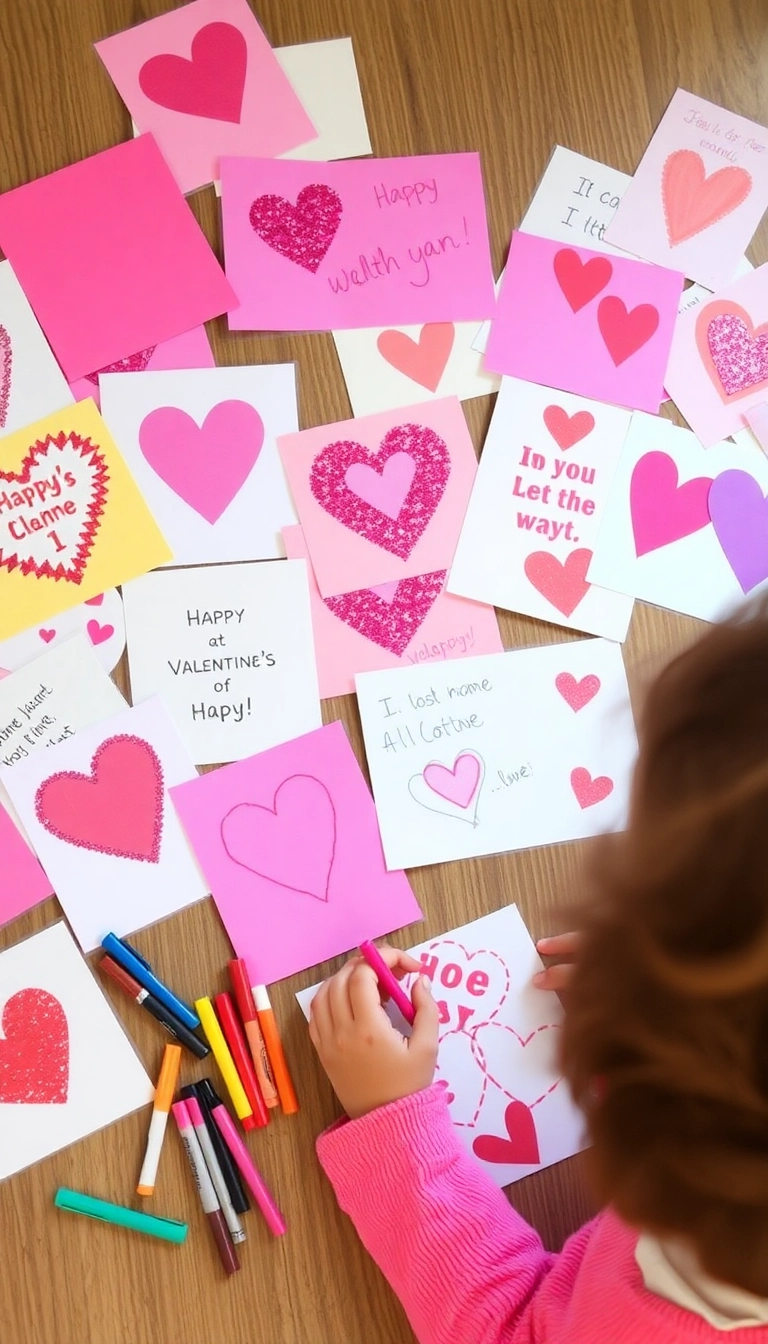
(165, 1228)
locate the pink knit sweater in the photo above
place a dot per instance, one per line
(466, 1267)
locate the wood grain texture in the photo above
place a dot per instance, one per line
(510, 78)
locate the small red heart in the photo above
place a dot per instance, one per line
(589, 791)
(625, 331)
(34, 1054)
(575, 693)
(522, 1145)
(99, 633)
(47, 635)
(580, 280)
(568, 429)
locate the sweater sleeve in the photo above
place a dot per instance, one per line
(462, 1261)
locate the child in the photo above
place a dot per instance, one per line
(665, 1047)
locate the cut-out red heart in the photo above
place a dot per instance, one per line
(575, 693)
(210, 84)
(589, 791)
(563, 583)
(581, 281)
(520, 1148)
(34, 1054)
(567, 429)
(625, 331)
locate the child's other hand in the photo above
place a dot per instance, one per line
(368, 1062)
(557, 977)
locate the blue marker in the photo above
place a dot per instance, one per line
(140, 969)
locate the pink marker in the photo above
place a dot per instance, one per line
(272, 1215)
(388, 981)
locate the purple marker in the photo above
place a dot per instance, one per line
(387, 981)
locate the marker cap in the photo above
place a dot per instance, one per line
(165, 1228)
(241, 988)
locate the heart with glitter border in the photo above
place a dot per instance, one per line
(40, 535)
(117, 809)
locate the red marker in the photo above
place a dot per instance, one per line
(233, 1034)
(241, 988)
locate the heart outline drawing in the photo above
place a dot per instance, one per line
(210, 83)
(692, 201)
(469, 787)
(441, 944)
(725, 316)
(126, 834)
(481, 1057)
(318, 892)
(391, 621)
(424, 360)
(205, 465)
(34, 1049)
(304, 232)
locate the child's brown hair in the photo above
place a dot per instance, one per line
(666, 1035)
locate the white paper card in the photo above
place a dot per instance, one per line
(387, 367)
(100, 620)
(31, 382)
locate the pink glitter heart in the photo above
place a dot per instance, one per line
(390, 618)
(328, 483)
(739, 353)
(130, 364)
(302, 232)
(6, 366)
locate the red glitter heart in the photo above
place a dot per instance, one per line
(390, 624)
(302, 232)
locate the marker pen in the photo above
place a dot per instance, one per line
(288, 1099)
(207, 1098)
(141, 970)
(235, 1039)
(215, 1038)
(241, 988)
(152, 1005)
(166, 1086)
(208, 1199)
(387, 981)
(272, 1215)
(214, 1170)
(168, 1229)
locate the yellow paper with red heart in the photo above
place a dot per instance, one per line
(73, 522)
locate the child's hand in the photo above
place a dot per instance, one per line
(562, 945)
(368, 1062)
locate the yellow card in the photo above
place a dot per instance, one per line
(73, 522)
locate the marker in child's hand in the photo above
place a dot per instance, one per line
(387, 981)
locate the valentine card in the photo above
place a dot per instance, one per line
(386, 367)
(201, 444)
(111, 257)
(191, 350)
(699, 193)
(537, 503)
(31, 382)
(382, 498)
(97, 812)
(718, 365)
(205, 81)
(311, 247)
(289, 843)
(584, 322)
(685, 527)
(100, 620)
(67, 1068)
(72, 520)
(393, 625)
(229, 649)
(498, 753)
(22, 881)
(498, 1046)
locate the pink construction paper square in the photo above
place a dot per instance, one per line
(205, 81)
(111, 257)
(191, 350)
(289, 843)
(699, 192)
(398, 625)
(22, 881)
(584, 322)
(382, 497)
(363, 243)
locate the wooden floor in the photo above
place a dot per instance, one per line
(510, 78)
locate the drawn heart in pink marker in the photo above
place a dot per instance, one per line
(130, 364)
(625, 331)
(567, 429)
(47, 635)
(589, 791)
(575, 693)
(663, 511)
(693, 201)
(94, 601)
(210, 84)
(391, 614)
(6, 368)
(99, 634)
(397, 533)
(523, 1067)
(520, 1148)
(205, 465)
(117, 809)
(457, 784)
(292, 843)
(424, 360)
(302, 232)
(34, 1050)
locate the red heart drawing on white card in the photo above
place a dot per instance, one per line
(465, 984)
(527, 1063)
(56, 504)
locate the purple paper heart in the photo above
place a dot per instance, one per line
(739, 514)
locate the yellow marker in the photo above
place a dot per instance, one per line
(215, 1038)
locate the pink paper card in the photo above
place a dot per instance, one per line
(393, 625)
(289, 843)
(205, 81)
(699, 192)
(22, 881)
(111, 257)
(584, 322)
(365, 243)
(718, 365)
(382, 498)
(191, 350)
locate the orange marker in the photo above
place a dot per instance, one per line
(166, 1086)
(288, 1099)
(238, 975)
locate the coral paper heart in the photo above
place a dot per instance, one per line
(422, 361)
(130, 364)
(581, 281)
(40, 534)
(625, 332)
(291, 843)
(587, 790)
(6, 370)
(739, 514)
(99, 634)
(117, 809)
(391, 614)
(567, 429)
(519, 1148)
(329, 483)
(210, 84)
(732, 350)
(34, 1051)
(458, 783)
(563, 584)
(205, 465)
(692, 201)
(663, 511)
(302, 232)
(575, 693)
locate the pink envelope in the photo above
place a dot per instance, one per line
(585, 322)
(111, 257)
(22, 881)
(191, 350)
(395, 625)
(205, 81)
(381, 498)
(289, 843)
(361, 243)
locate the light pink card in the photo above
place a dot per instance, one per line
(111, 257)
(205, 81)
(718, 365)
(381, 498)
(584, 322)
(289, 843)
(191, 350)
(392, 625)
(699, 192)
(22, 881)
(362, 243)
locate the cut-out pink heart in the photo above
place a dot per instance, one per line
(391, 614)
(562, 583)
(459, 782)
(519, 1148)
(94, 601)
(399, 535)
(587, 790)
(733, 351)
(302, 232)
(424, 360)
(693, 201)
(210, 84)
(663, 511)
(117, 809)
(6, 371)
(385, 490)
(34, 1050)
(129, 364)
(47, 635)
(205, 465)
(292, 843)
(567, 429)
(581, 281)
(82, 471)
(99, 634)
(625, 331)
(575, 693)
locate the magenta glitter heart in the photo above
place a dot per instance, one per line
(399, 535)
(739, 355)
(302, 232)
(390, 624)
